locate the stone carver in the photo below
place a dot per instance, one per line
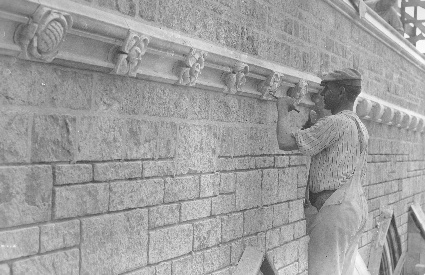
(337, 145)
(385, 9)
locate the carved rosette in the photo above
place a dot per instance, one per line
(189, 70)
(128, 58)
(269, 86)
(42, 36)
(235, 79)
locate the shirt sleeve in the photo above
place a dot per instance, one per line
(321, 135)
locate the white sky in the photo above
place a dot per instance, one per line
(420, 45)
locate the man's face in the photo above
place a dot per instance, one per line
(330, 95)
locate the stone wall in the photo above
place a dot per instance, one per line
(102, 174)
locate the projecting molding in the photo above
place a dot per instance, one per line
(71, 34)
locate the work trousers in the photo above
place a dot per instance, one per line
(334, 235)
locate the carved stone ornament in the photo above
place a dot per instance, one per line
(128, 58)
(236, 78)
(189, 70)
(42, 36)
(269, 86)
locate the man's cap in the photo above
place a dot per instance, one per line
(345, 76)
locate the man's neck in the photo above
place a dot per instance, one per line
(345, 107)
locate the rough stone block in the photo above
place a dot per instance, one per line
(227, 182)
(296, 210)
(197, 209)
(166, 140)
(178, 189)
(26, 195)
(53, 138)
(300, 229)
(226, 164)
(270, 187)
(291, 269)
(264, 162)
(64, 262)
(216, 258)
(18, 243)
(206, 233)
(134, 194)
(150, 270)
(297, 160)
(4, 269)
(281, 161)
(303, 254)
(170, 242)
(223, 204)
(232, 227)
(210, 185)
(142, 139)
(59, 235)
(158, 168)
(196, 148)
(248, 189)
(280, 214)
(285, 255)
(14, 140)
(272, 238)
(117, 170)
(163, 269)
(257, 220)
(288, 184)
(114, 243)
(164, 215)
(226, 142)
(101, 138)
(73, 173)
(287, 233)
(193, 265)
(81, 200)
(244, 163)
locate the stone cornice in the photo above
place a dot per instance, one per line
(70, 34)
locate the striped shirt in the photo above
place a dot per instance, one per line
(335, 146)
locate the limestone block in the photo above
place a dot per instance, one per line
(53, 138)
(101, 138)
(303, 254)
(288, 178)
(287, 233)
(117, 170)
(64, 262)
(178, 189)
(206, 233)
(272, 238)
(291, 269)
(210, 185)
(296, 210)
(59, 235)
(164, 215)
(81, 200)
(248, 189)
(196, 209)
(270, 187)
(223, 204)
(216, 258)
(166, 140)
(226, 108)
(193, 265)
(225, 141)
(196, 149)
(232, 227)
(4, 269)
(150, 270)
(227, 182)
(241, 141)
(25, 195)
(264, 162)
(244, 163)
(14, 141)
(141, 139)
(285, 255)
(114, 243)
(257, 220)
(73, 173)
(163, 268)
(133, 194)
(280, 214)
(158, 168)
(300, 229)
(170, 242)
(18, 243)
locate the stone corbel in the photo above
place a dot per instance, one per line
(128, 57)
(189, 70)
(236, 78)
(414, 123)
(42, 36)
(405, 122)
(377, 112)
(421, 125)
(364, 106)
(387, 116)
(398, 118)
(269, 86)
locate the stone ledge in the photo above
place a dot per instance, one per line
(118, 45)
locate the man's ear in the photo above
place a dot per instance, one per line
(342, 91)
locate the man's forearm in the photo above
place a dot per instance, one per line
(285, 138)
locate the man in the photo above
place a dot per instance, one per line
(337, 145)
(385, 9)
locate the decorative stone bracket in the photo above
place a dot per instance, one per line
(39, 30)
(43, 35)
